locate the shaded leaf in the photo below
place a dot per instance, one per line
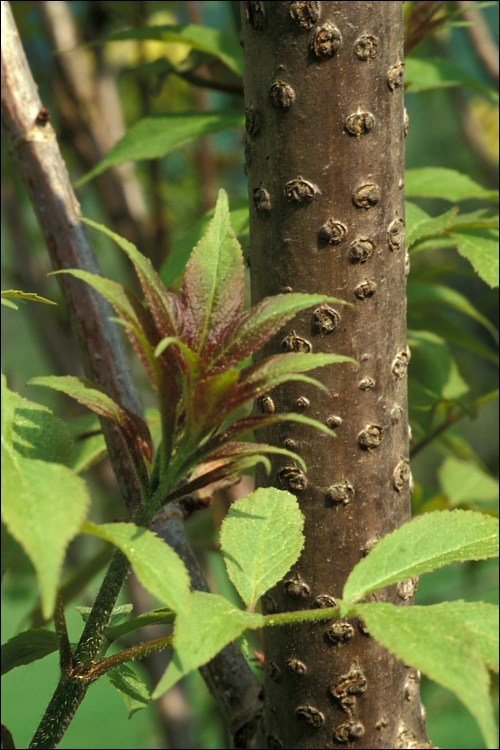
(159, 135)
(444, 183)
(131, 689)
(424, 293)
(464, 482)
(201, 630)
(156, 565)
(435, 373)
(212, 286)
(37, 433)
(441, 647)
(426, 543)
(261, 538)
(437, 73)
(44, 505)
(419, 225)
(27, 647)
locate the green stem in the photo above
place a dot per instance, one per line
(157, 617)
(139, 651)
(306, 615)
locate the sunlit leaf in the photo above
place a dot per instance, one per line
(44, 505)
(446, 184)
(37, 433)
(442, 647)
(261, 538)
(480, 248)
(212, 286)
(425, 543)
(156, 565)
(201, 630)
(31, 296)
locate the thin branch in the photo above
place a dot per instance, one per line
(484, 46)
(65, 653)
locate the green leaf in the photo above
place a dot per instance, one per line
(282, 367)
(480, 248)
(446, 184)
(131, 689)
(211, 41)
(44, 505)
(31, 296)
(434, 371)
(179, 256)
(437, 73)
(464, 482)
(156, 565)
(480, 619)
(442, 647)
(428, 294)
(86, 393)
(27, 647)
(159, 135)
(261, 538)
(262, 321)
(426, 543)
(419, 225)
(8, 303)
(164, 306)
(212, 286)
(201, 630)
(37, 433)
(117, 615)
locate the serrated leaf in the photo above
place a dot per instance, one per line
(164, 306)
(156, 565)
(426, 543)
(281, 367)
(480, 248)
(44, 505)
(214, 42)
(441, 647)
(424, 293)
(86, 393)
(260, 421)
(261, 538)
(156, 136)
(232, 450)
(212, 286)
(262, 321)
(117, 615)
(446, 184)
(131, 689)
(464, 482)
(27, 647)
(37, 433)
(201, 630)
(31, 296)
(481, 620)
(419, 225)
(179, 255)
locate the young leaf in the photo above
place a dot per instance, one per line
(131, 689)
(212, 286)
(261, 538)
(442, 647)
(446, 184)
(156, 565)
(425, 543)
(165, 307)
(27, 647)
(419, 225)
(262, 321)
(31, 296)
(44, 505)
(159, 135)
(201, 630)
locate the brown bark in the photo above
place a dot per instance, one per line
(324, 158)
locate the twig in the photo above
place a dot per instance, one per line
(485, 48)
(65, 653)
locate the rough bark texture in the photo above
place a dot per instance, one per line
(324, 158)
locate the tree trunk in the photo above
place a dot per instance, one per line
(324, 158)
